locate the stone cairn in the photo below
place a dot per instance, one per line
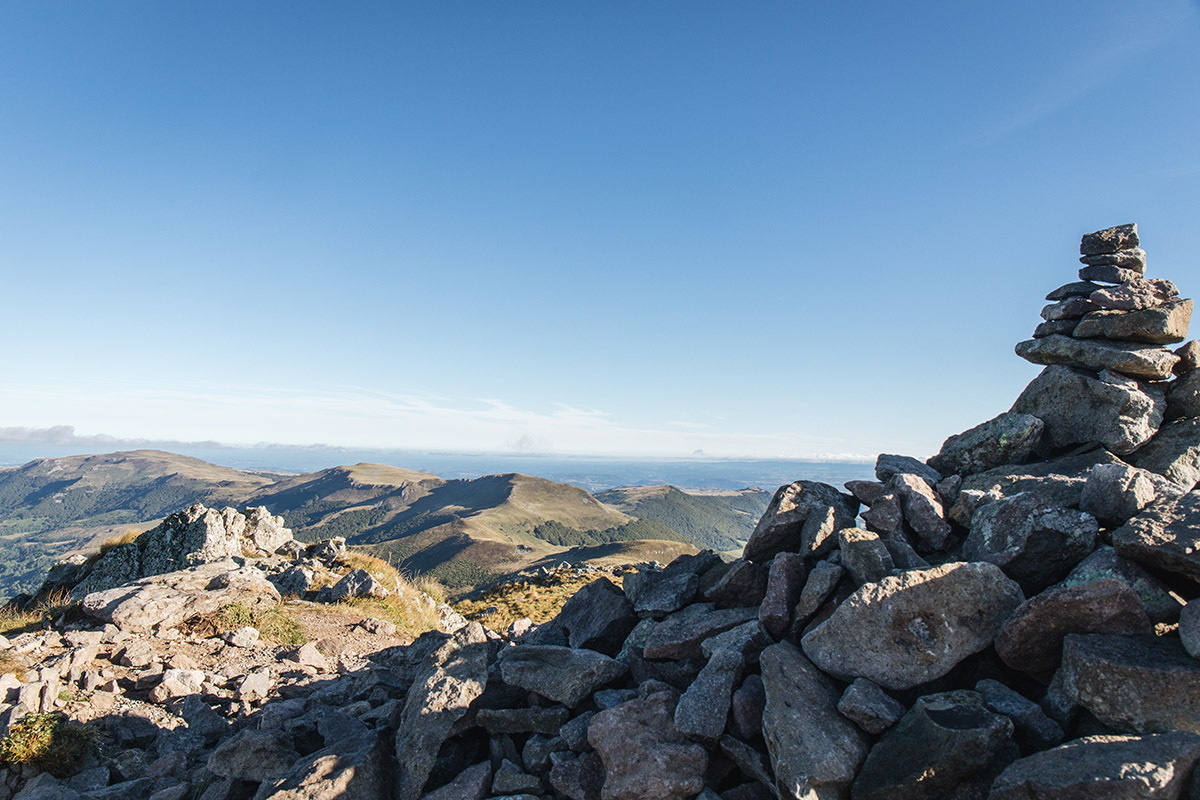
(1015, 618)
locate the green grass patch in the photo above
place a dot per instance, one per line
(274, 623)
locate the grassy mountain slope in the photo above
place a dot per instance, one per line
(721, 521)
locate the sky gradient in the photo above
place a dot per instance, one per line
(775, 229)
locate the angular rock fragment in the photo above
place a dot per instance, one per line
(1104, 768)
(944, 742)
(1064, 327)
(356, 583)
(1134, 295)
(888, 466)
(643, 754)
(916, 626)
(561, 674)
(451, 677)
(579, 777)
(1075, 289)
(674, 587)
(1107, 273)
(869, 707)
(1113, 411)
(253, 756)
(597, 617)
(864, 555)
(1033, 543)
(815, 751)
(1136, 684)
(820, 584)
(1031, 640)
(1116, 492)
(703, 707)
(1189, 358)
(1010, 438)
(521, 720)
(1134, 258)
(1166, 536)
(785, 580)
(681, 634)
(1174, 453)
(1163, 324)
(1183, 397)
(1104, 563)
(923, 509)
(1135, 360)
(1072, 308)
(1110, 240)
(743, 584)
(356, 767)
(1189, 628)
(801, 518)
(471, 784)
(746, 708)
(1032, 727)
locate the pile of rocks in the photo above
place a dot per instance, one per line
(1015, 618)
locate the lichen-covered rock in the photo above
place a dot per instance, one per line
(888, 466)
(802, 518)
(704, 706)
(1117, 412)
(660, 593)
(1109, 240)
(815, 751)
(864, 555)
(681, 634)
(785, 580)
(1035, 544)
(923, 509)
(643, 754)
(1133, 258)
(1135, 294)
(1011, 438)
(1058, 482)
(1033, 728)
(916, 626)
(253, 756)
(164, 601)
(1116, 492)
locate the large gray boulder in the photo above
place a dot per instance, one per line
(802, 518)
(704, 706)
(656, 594)
(1104, 768)
(1139, 293)
(1166, 535)
(1134, 684)
(452, 676)
(1033, 543)
(1077, 407)
(644, 755)
(1174, 453)
(1116, 492)
(561, 674)
(1136, 360)
(910, 628)
(943, 742)
(815, 751)
(1163, 324)
(923, 510)
(197, 535)
(1104, 563)
(682, 634)
(1011, 438)
(1110, 240)
(597, 617)
(165, 601)
(1059, 482)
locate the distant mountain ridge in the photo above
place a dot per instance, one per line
(462, 531)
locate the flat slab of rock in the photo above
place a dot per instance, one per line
(1139, 361)
(644, 756)
(814, 750)
(1164, 324)
(164, 601)
(1137, 684)
(1134, 295)
(681, 634)
(1166, 535)
(916, 626)
(1133, 258)
(1174, 453)
(1116, 412)
(801, 518)
(1031, 640)
(1104, 768)
(1010, 438)
(1108, 273)
(1058, 483)
(357, 767)
(562, 674)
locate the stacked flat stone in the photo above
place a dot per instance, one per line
(1113, 318)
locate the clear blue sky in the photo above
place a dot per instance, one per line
(768, 228)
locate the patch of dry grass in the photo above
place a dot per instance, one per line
(274, 623)
(408, 606)
(49, 742)
(116, 541)
(540, 600)
(56, 604)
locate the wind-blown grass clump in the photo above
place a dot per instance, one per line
(49, 742)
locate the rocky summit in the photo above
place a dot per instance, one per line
(1010, 619)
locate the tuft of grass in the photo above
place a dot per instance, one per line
(14, 620)
(274, 623)
(380, 570)
(116, 541)
(50, 743)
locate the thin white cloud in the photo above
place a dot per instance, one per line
(1139, 29)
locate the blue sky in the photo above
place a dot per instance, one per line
(636, 228)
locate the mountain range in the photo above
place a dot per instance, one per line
(459, 531)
